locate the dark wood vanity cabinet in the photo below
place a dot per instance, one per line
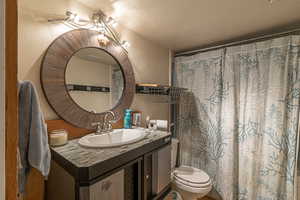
(145, 177)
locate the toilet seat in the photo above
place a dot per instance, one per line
(191, 179)
(178, 181)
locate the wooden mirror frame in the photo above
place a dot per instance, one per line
(53, 71)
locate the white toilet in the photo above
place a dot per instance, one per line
(191, 183)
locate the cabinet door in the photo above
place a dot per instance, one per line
(157, 172)
(110, 188)
(161, 169)
(147, 188)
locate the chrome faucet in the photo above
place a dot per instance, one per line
(107, 125)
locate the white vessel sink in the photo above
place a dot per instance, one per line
(117, 137)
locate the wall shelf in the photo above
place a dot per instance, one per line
(168, 94)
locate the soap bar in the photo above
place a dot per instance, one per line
(58, 137)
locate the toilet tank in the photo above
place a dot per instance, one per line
(174, 149)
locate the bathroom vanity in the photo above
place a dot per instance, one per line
(138, 171)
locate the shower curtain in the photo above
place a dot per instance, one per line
(240, 121)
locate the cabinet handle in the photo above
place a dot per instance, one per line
(147, 176)
(106, 185)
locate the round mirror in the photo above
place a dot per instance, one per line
(82, 78)
(94, 80)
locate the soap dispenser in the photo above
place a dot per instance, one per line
(127, 119)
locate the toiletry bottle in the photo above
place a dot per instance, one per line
(127, 118)
(136, 118)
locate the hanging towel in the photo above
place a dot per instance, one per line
(33, 139)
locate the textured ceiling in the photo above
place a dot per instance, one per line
(185, 24)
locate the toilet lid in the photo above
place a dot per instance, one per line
(191, 176)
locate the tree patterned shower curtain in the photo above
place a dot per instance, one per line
(240, 122)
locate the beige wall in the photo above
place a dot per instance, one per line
(2, 103)
(150, 61)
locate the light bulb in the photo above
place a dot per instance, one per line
(125, 44)
(114, 24)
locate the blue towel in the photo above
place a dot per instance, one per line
(33, 139)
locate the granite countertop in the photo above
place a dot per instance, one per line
(86, 157)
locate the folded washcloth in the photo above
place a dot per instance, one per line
(33, 139)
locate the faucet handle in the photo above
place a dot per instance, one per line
(98, 126)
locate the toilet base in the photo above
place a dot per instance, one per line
(187, 195)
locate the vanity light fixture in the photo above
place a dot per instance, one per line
(99, 22)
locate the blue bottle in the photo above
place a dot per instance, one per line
(127, 118)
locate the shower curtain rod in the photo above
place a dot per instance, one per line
(238, 42)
